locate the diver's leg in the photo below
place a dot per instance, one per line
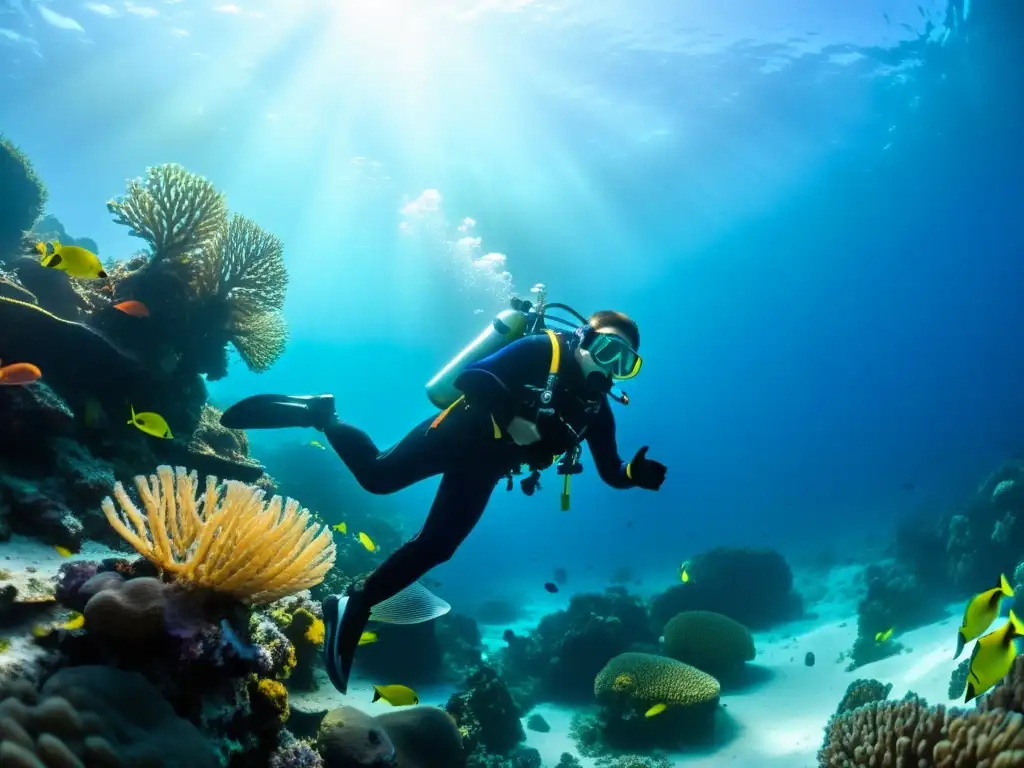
(460, 501)
(422, 453)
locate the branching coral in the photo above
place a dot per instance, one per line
(226, 538)
(180, 214)
(260, 338)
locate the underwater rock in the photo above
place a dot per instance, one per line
(537, 723)
(809, 659)
(751, 586)
(424, 737)
(216, 450)
(103, 716)
(350, 738)
(129, 611)
(294, 753)
(568, 648)
(486, 714)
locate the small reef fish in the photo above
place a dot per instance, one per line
(133, 308)
(367, 638)
(657, 709)
(396, 695)
(992, 657)
(74, 621)
(317, 444)
(550, 587)
(150, 423)
(981, 611)
(884, 637)
(341, 528)
(367, 542)
(684, 574)
(63, 551)
(75, 261)
(41, 630)
(19, 373)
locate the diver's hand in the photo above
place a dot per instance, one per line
(646, 473)
(523, 432)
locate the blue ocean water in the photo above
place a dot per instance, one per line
(810, 210)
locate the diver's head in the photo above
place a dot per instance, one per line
(607, 348)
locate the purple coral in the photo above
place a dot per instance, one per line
(70, 579)
(294, 753)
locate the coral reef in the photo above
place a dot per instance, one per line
(226, 539)
(486, 714)
(559, 659)
(417, 737)
(301, 623)
(896, 600)
(208, 279)
(708, 641)
(751, 586)
(101, 715)
(958, 680)
(909, 732)
(861, 692)
(22, 198)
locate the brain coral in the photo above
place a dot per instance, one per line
(645, 679)
(709, 641)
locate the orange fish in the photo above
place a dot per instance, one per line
(19, 373)
(133, 308)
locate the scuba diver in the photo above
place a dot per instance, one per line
(520, 396)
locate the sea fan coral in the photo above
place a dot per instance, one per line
(177, 212)
(226, 538)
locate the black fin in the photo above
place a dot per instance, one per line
(376, 696)
(102, 274)
(997, 595)
(55, 261)
(970, 693)
(961, 641)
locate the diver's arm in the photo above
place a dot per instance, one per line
(497, 382)
(601, 441)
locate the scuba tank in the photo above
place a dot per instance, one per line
(520, 319)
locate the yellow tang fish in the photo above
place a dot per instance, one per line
(884, 637)
(396, 695)
(341, 528)
(41, 630)
(366, 638)
(367, 542)
(992, 657)
(657, 709)
(151, 423)
(63, 551)
(75, 261)
(317, 444)
(684, 574)
(981, 611)
(74, 621)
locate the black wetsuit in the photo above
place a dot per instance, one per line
(471, 460)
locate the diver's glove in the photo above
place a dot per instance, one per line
(646, 473)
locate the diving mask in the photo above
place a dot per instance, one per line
(613, 354)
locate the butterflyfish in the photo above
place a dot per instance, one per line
(396, 695)
(151, 423)
(341, 528)
(684, 574)
(317, 444)
(63, 551)
(19, 373)
(367, 542)
(133, 308)
(981, 611)
(75, 261)
(657, 709)
(884, 637)
(367, 638)
(992, 657)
